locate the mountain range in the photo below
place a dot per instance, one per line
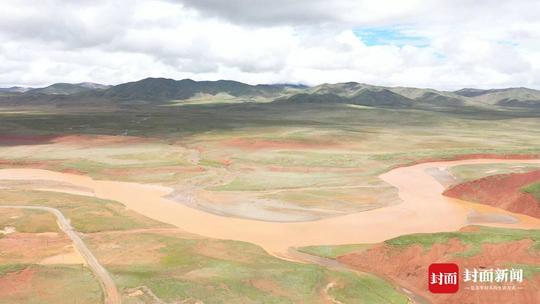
(164, 90)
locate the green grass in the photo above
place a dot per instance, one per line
(465, 173)
(474, 239)
(332, 252)
(87, 214)
(28, 220)
(218, 271)
(365, 288)
(529, 271)
(279, 180)
(533, 189)
(16, 267)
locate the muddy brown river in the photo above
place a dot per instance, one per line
(424, 210)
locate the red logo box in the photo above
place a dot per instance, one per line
(443, 278)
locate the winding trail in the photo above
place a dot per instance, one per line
(112, 296)
(424, 210)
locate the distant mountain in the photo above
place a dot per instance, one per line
(376, 96)
(163, 89)
(68, 88)
(294, 86)
(92, 85)
(59, 89)
(15, 89)
(399, 97)
(511, 97)
(430, 96)
(470, 92)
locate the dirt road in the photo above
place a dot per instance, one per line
(112, 296)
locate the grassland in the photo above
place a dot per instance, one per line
(183, 267)
(265, 147)
(28, 220)
(23, 279)
(88, 214)
(303, 156)
(533, 189)
(465, 173)
(332, 252)
(44, 284)
(474, 239)
(177, 266)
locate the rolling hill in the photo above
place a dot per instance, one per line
(92, 85)
(375, 96)
(511, 97)
(227, 91)
(59, 89)
(163, 89)
(16, 89)
(66, 88)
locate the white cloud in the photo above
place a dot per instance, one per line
(479, 44)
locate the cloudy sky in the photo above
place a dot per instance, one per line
(445, 44)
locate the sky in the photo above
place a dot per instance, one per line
(445, 44)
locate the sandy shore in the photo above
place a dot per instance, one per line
(424, 209)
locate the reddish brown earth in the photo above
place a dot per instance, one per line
(409, 268)
(72, 171)
(502, 191)
(22, 247)
(31, 164)
(262, 144)
(226, 162)
(13, 282)
(9, 139)
(246, 169)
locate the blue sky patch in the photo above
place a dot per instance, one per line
(389, 36)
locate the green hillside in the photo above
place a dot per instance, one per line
(59, 89)
(162, 89)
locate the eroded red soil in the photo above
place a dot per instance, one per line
(502, 191)
(13, 282)
(10, 139)
(32, 164)
(409, 268)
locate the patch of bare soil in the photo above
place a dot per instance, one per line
(69, 255)
(13, 282)
(409, 268)
(502, 191)
(16, 140)
(31, 164)
(32, 247)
